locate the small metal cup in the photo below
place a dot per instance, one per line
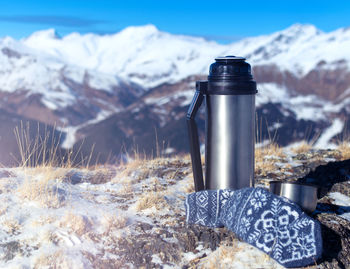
(305, 195)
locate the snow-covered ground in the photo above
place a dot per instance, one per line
(93, 217)
(75, 218)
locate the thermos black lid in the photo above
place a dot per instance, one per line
(231, 75)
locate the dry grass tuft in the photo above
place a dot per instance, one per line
(220, 256)
(266, 157)
(43, 220)
(237, 256)
(149, 200)
(113, 222)
(271, 149)
(344, 150)
(127, 188)
(99, 261)
(302, 148)
(45, 167)
(41, 184)
(79, 224)
(98, 175)
(60, 259)
(11, 225)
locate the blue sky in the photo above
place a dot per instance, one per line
(224, 21)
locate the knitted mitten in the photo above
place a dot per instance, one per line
(204, 207)
(269, 222)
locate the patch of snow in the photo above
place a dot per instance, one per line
(70, 139)
(157, 100)
(71, 131)
(103, 81)
(306, 107)
(340, 199)
(329, 133)
(168, 150)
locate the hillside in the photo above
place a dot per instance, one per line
(132, 215)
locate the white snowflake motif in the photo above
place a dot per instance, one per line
(224, 196)
(276, 230)
(303, 247)
(245, 225)
(258, 200)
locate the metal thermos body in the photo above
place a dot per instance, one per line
(229, 96)
(229, 141)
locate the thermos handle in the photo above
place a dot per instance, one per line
(201, 88)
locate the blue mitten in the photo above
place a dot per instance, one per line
(269, 222)
(204, 207)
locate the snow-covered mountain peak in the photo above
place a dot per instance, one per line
(8, 41)
(44, 34)
(142, 30)
(147, 56)
(298, 29)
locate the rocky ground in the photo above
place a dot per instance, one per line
(132, 216)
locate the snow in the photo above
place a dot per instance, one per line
(71, 131)
(341, 200)
(306, 107)
(298, 49)
(47, 221)
(329, 133)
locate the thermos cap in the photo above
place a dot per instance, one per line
(231, 75)
(229, 58)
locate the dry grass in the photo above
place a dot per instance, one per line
(99, 261)
(150, 199)
(344, 150)
(42, 220)
(271, 149)
(60, 259)
(137, 171)
(43, 168)
(11, 225)
(266, 158)
(127, 188)
(302, 148)
(111, 223)
(76, 223)
(219, 256)
(41, 184)
(237, 256)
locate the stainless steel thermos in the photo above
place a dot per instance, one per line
(229, 95)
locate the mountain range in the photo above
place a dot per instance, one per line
(130, 91)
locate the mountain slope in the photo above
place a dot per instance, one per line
(139, 82)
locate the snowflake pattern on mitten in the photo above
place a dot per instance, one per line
(204, 207)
